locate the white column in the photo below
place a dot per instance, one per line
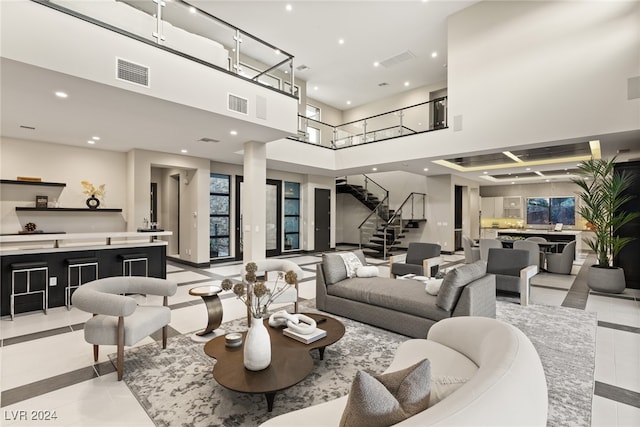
(254, 201)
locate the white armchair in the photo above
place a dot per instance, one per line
(118, 319)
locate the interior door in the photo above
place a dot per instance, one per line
(322, 219)
(273, 223)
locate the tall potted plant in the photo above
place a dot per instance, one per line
(603, 196)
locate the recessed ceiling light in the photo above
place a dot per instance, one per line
(286, 71)
(340, 41)
(434, 54)
(288, 8)
(406, 83)
(528, 169)
(547, 180)
(513, 182)
(91, 142)
(485, 172)
(419, 123)
(277, 51)
(233, 132)
(348, 102)
(61, 94)
(95, 138)
(192, 9)
(425, 169)
(183, 151)
(374, 169)
(376, 64)
(315, 88)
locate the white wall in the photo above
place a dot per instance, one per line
(532, 71)
(194, 198)
(66, 164)
(32, 34)
(401, 100)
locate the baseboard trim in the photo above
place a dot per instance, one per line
(189, 263)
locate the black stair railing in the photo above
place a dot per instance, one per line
(409, 214)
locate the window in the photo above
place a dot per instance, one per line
(313, 133)
(313, 112)
(219, 215)
(291, 216)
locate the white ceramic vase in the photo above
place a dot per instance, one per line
(257, 346)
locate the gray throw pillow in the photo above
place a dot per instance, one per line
(457, 279)
(333, 266)
(388, 398)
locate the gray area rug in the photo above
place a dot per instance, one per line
(175, 386)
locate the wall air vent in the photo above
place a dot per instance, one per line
(238, 104)
(133, 73)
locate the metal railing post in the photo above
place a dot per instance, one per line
(158, 33)
(238, 40)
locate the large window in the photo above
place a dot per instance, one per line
(291, 216)
(313, 133)
(219, 215)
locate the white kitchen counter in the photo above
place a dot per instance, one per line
(48, 242)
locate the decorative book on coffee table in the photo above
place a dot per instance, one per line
(307, 339)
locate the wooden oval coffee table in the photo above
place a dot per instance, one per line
(291, 361)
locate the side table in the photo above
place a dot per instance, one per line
(210, 297)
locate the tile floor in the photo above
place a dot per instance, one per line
(47, 366)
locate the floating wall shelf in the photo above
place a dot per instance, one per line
(34, 183)
(23, 208)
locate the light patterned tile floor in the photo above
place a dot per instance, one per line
(105, 401)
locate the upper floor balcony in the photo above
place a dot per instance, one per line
(412, 120)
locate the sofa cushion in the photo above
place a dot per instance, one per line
(432, 287)
(388, 398)
(367, 271)
(457, 279)
(333, 266)
(406, 296)
(351, 263)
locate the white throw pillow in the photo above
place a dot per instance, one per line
(443, 386)
(351, 263)
(432, 286)
(367, 271)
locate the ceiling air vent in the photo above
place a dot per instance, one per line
(132, 73)
(238, 104)
(302, 67)
(397, 59)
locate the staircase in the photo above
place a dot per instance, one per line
(360, 192)
(383, 230)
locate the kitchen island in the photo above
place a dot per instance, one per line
(560, 237)
(108, 249)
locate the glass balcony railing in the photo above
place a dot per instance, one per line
(190, 32)
(419, 118)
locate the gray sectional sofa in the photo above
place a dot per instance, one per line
(403, 306)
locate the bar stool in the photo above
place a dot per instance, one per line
(129, 259)
(28, 268)
(78, 263)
